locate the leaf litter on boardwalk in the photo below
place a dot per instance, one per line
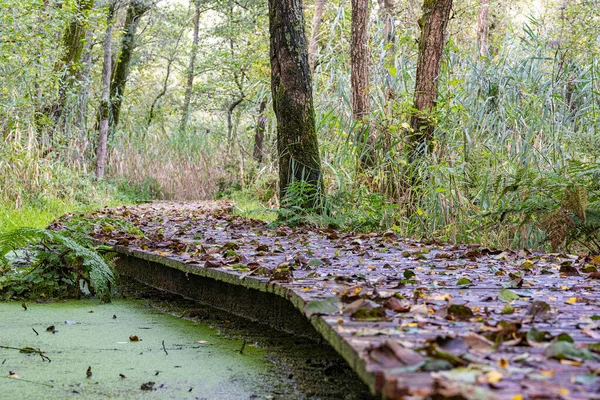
(498, 320)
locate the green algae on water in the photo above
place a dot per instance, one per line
(94, 339)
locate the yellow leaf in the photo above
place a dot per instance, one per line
(547, 373)
(517, 397)
(572, 300)
(564, 288)
(503, 363)
(494, 376)
(572, 363)
(527, 265)
(564, 392)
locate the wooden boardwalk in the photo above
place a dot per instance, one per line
(414, 320)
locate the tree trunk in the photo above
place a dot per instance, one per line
(105, 101)
(73, 42)
(84, 92)
(190, 72)
(359, 59)
(483, 27)
(136, 9)
(436, 14)
(230, 110)
(387, 14)
(359, 77)
(259, 136)
(387, 11)
(165, 81)
(291, 87)
(313, 44)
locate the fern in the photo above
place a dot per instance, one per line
(83, 261)
(19, 238)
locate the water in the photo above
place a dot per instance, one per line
(201, 363)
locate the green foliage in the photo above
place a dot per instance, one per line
(41, 262)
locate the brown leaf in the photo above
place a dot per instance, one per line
(390, 354)
(568, 270)
(594, 275)
(478, 343)
(539, 309)
(395, 304)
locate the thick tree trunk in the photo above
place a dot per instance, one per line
(105, 101)
(483, 27)
(191, 70)
(359, 59)
(73, 42)
(259, 135)
(313, 44)
(136, 9)
(291, 88)
(359, 79)
(436, 14)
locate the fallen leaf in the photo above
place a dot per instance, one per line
(391, 355)
(507, 296)
(327, 306)
(494, 377)
(460, 313)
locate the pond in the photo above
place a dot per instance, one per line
(93, 355)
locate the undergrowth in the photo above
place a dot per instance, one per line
(40, 263)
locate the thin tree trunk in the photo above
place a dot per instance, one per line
(483, 27)
(190, 72)
(230, 111)
(291, 87)
(259, 136)
(82, 120)
(136, 9)
(387, 14)
(105, 101)
(359, 58)
(73, 42)
(436, 14)
(165, 81)
(313, 43)
(387, 10)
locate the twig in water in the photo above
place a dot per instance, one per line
(164, 348)
(243, 347)
(28, 381)
(28, 350)
(36, 332)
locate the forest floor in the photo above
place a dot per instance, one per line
(427, 319)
